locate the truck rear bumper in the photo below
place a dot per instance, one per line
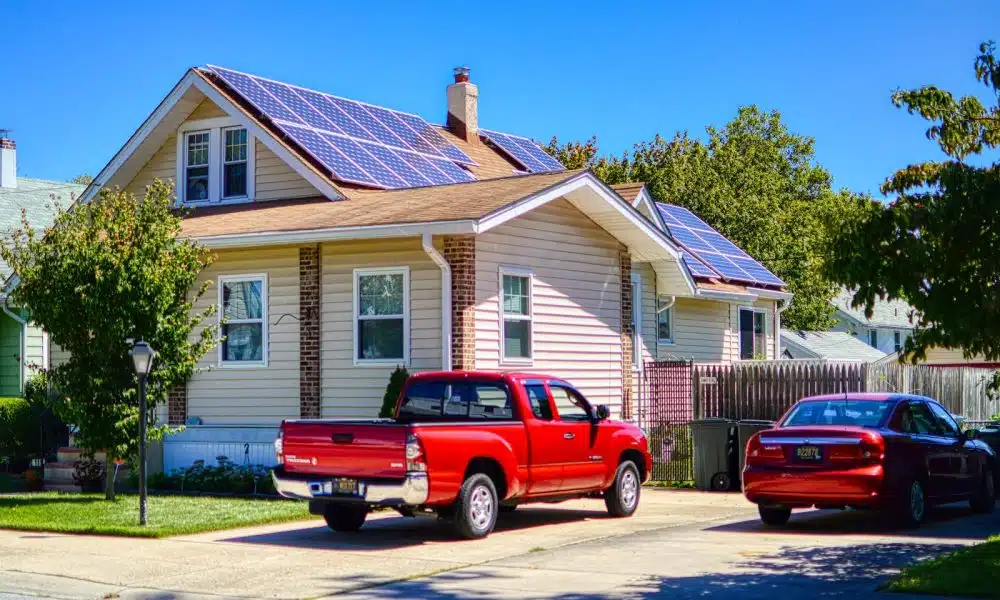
(412, 490)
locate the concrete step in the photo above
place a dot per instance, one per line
(62, 472)
(61, 487)
(70, 455)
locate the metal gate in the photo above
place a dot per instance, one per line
(666, 408)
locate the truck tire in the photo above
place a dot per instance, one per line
(345, 517)
(622, 498)
(477, 507)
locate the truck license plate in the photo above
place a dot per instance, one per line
(340, 486)
(808, 453)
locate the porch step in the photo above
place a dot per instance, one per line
(61, 487)
(71, 455)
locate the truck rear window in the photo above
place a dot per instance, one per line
(459, 400)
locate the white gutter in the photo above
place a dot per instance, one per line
(24, 336)
(777, 324)
(335, 233)
(427, 241)
(726, 296)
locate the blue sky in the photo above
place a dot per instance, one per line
(83, 78)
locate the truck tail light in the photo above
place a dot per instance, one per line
(279, 444)
(415, 460)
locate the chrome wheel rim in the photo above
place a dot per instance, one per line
(629, 489)
(917, 501)
(481, 507)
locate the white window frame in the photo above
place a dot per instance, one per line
(216, 139)
(739, 331)
(223, 163)
(897, 341)
(670, 317)
(265, 346)
(355, 292)
(530, 318)
(873, 338)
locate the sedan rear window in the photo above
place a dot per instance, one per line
(859, 413)
(465, 400)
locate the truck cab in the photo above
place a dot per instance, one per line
(464, 446)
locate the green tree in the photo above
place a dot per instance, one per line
(937, 245)
(82, 179)
(758, 184)
(108, 271)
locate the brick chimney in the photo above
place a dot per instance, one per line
(463, 106)
(8, 163)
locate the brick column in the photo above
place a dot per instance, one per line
(177, 405)
(625, 268)
(460, 252)
(309, 298)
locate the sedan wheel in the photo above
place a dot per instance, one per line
(913, 509)
(984, 499)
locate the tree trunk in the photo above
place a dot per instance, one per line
(109, 481)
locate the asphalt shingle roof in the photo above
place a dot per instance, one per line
(38, 199)
(832, 345)
(886, 313)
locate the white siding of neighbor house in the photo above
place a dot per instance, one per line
(251, 395)
(273, 178)
(576, 298)
(356, 391)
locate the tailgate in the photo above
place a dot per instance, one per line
(346, 448)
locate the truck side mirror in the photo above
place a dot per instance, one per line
(602, 412)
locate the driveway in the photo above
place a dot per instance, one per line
(680, 544)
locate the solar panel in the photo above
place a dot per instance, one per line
(359, 143)
(711, 248)
(697, 268)
(529, 154)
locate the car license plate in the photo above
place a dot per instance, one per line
(341, 486)
(808, 453)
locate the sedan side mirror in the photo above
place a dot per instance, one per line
(969, 434)
(602, 412)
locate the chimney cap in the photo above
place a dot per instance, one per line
(461, 74)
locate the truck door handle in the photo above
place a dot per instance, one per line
(569, 436)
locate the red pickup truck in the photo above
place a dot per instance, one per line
(464, 446)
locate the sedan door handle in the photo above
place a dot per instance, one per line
(569, 436)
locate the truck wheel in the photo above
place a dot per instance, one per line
(345, 517)
(477, 507)
(622, 498)
(984, 498)
(774, 516)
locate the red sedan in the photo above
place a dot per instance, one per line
(897, 452)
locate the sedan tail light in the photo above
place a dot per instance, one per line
(763, 454)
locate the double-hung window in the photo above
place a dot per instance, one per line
(897, 341)
(215, 162)
(516, 314)
(243, 320)
(753, 339)
(873, 338)
(664, 323)
(382, 316)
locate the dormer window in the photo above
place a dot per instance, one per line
(215, 162)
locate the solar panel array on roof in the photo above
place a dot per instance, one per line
(526, 152)
(359, 143)
(708, 253)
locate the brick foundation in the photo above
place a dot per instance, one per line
(625, 264)
(177, 405)
(309, 359)
(460, 252)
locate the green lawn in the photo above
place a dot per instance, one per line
(168, 515)
(971, 572)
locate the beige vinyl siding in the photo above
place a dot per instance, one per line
(57, 355)
(764, 306)
(251, 395)
(576, 298)
(350, 390)
(702, 331)
(273, 178)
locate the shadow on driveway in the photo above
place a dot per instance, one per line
(953, 521)
(400, 532)
(853, 571)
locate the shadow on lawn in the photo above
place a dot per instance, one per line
(399, 532)
(22, 500)
(853, 571)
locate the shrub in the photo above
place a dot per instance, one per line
(18, 430)
(225, 478)
(392, 391)
(89, 474)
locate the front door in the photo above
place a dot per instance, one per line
(583, 466)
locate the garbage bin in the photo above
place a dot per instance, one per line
(714, 454)
(745, 429)
(991, 435)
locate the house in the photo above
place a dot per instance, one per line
(352, 238)
(891, 322)
(23, 346)
(937, 356)
(826, 346)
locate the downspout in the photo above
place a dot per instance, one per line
(777, 326)
(428, 243)
(24, 336)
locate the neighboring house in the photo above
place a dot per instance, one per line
(837, 346)
(946, 357)
(23, 347)
(887, 329)
(351, 239)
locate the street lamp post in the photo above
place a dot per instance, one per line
(142, 355)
